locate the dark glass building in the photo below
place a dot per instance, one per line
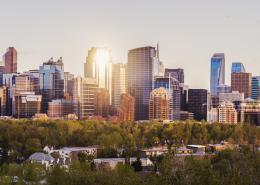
(197, 103)
(178, 74)
(237, 67)
(140, 77)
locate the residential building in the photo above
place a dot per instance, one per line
(126, 111)
(51, 82)
(84, 96)
(140, 78)
(42, 159)
(227, 113)
(198, 103)
(119, 86)
(217, 73)
(159, 104)
(26, 104)
(242, 82)
(10, 60)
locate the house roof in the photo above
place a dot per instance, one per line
(41, 157)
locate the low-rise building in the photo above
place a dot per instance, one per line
(41, 158)
(154, 151)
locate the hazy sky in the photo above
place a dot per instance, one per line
(189, 31)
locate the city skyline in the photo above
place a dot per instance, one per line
(113, 24)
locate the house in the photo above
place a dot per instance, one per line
(197, 148)
(183, 150)
(113, 162)
(42, 158)
(154, 151)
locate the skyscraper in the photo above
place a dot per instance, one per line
(140, 78)
(198, 102)
(242, 82)
(217, 73)
(126, 111)
(99, 66)
(227, 113)
(118, 83)
(10, 60)
(159, 104)
(255, 93)
(101, 102)
(238, 67)
(51, 82)
(178, 74)
(68, 85)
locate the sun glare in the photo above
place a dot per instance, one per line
(102, 56)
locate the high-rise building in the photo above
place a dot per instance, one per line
(60, 108)
(10, 60)
(26, 83)
(101, 102)
(51, 82)
(237, 67)
(126, 111)
(99, 66)
(185, 115)
(84, 96)
(223, 89)
(255, 92)
(217, 73)
(227, 113)
(68, 85)
(118, 83)
(250, 112)
(178, 74)
(234, 96)
(2, 71)
(173, 88)
(159, 104)
(242, 82)
(26, 104)
(198, 103)
(140, 78)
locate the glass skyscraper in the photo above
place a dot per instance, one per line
(217, 73)
(255, 92)
(140, 78)
(237, 67)
(51, 82)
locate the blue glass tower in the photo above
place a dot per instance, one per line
(217, 72)
(237, 67)
(255, 87)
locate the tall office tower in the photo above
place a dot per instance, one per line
(101, 102)
(255, 93)
(26, 83)
(60, 108)
(83, 96)
(184, 97)
(26, 104)
(217, 72)
(198, 103)
(227, 113)
(140, 78)
(118, 83)
(51, 82)
(178, 74)
(159, 104)
(10, 60)
(99, 66)
(250, 112)
(68, 85)
(126, 110)
(173, 88)
(242, 82)
(237, 67)
(3, 100)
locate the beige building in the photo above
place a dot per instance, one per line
(250, 112)
(159, 104)
(227, 114)
(126, 111)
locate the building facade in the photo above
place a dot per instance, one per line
(178, 74)
(68, 85)
(237, 67)
(159, 104)
(227, 113)
(140, 78)
(250, 112)
(126, 111)
(255, 92)
(60, 108)
(217, 72)
(242, 82)
(10, 60)
(101, 102)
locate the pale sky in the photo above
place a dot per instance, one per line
(189, 31)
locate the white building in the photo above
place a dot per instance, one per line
(234, 96)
